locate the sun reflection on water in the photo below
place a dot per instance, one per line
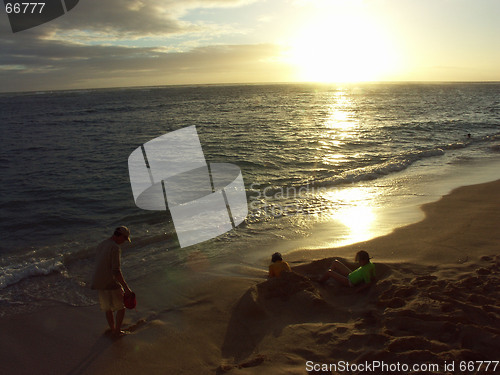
(352, 207)
(340, 127)
(340, 112)
(349, 208)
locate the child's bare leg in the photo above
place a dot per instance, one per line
(340, 268)
(111, 320)
(120, 314)
(340, 278)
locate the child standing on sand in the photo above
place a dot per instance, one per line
(109, 281)
(363, 277)
(277, 266)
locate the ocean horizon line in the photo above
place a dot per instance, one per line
(231, 84)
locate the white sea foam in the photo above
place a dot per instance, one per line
(13, 273)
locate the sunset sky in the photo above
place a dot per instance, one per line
(161, 42)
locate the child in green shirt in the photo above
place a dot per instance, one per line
(362, 278)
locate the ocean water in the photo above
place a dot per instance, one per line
(314, 158)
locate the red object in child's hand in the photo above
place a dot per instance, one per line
(129, 300)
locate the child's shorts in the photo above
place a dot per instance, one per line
(111, 300)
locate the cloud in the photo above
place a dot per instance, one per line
(132, 19)
(80, 49)
(94, 21)
(57, 65)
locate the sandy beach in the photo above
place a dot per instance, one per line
(435, 306)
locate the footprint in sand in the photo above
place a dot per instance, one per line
(133, 327)
(127, 330)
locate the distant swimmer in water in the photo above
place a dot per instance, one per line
(278, 266)
(361, 278)
(468, 135)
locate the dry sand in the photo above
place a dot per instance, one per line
(436, 302)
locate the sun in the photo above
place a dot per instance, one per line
(347, 47)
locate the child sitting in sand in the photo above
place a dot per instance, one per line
(277, 266)
(363, 277)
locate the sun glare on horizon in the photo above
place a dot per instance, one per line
(341, 47)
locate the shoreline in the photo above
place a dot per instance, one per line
(399, 204)
(435, 302)
(472, 214)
